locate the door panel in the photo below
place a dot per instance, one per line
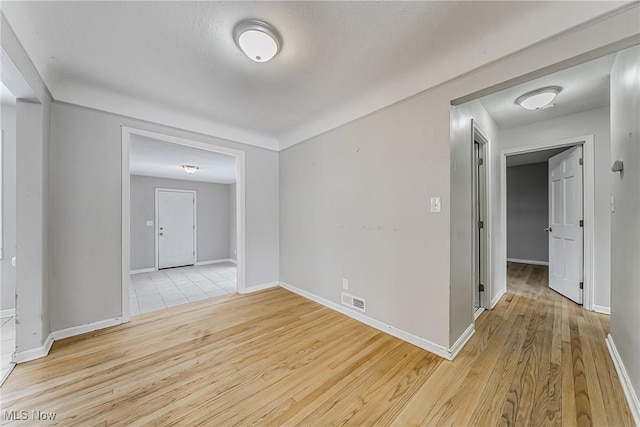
(176, 231)
(565, 232)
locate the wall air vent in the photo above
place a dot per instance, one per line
(354, 302)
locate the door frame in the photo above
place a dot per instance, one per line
(126, 204)
(484, 301)
(588, 201)
(195, 223)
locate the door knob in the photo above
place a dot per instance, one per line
(549, 229)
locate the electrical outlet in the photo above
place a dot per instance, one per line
(149, 223)
(436, 205)
(345, 284)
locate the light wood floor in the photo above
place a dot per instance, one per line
(273, 358)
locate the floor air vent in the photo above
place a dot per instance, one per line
(353, 302)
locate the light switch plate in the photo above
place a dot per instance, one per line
(436, 205)
(345, 284)
(149, 223)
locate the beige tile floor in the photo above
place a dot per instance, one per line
(174, 286)
(7, 345)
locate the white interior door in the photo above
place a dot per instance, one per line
(565, 230)
(176, 228)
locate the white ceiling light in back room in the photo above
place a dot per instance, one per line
(258, 40)
(539, 98)
(190, 169)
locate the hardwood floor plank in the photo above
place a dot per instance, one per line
(274, 358)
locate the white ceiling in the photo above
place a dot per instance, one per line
(151, 157)
(176, 63)
(584, 87)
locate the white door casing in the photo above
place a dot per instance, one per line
(565, 229)
(175, 228)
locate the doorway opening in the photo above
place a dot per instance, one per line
(548, 203)
(183, 221)
(480, 190)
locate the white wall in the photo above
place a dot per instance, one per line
(213, 225)
(7, 271)
(32, 197)
(86, 183)
(625, 222)
(593, 122)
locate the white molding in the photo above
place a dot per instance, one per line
(126, 202)
(587, 142)
(34, 353)
(478, 312)
(461, 341)
(8, 312)
(381, 326)
(7, 373)
(496, 299)
(601, 309)
(233, 261)
(143, 270)
(83, 329)
(215, 261)
(260, 287)
(625, 381)
(527, 261)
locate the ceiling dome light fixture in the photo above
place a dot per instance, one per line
(257, 39)
(539, 98)
(190, 169)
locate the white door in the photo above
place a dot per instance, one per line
(176, 228)
(565, 230)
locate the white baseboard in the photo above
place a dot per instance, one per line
(497, 298)
(6, 373)
(381, 326)
(233, 261)
(34, 353)
(37, 353)
(627, 387)
(143, 270)
(601, 309)
(215, 261)
(83, 329)
(477, 313)
(460, 342)
(260, 287)
(8, 312)
(527, 261)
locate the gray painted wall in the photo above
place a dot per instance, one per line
(528, 212)
(7, 271)
(212, 215)
(85, 219)
(625, 222)
(233, 229)
(593, 122)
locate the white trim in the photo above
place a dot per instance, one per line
(215, 261)
(34, 353)
(157, 223)
(602, 309)
(587, 143)
(83, 329)
(461, 341)
(260, 287)
(477, 313)
(381, 326)
(8, 312)
(143, 270)
(496, 299)
(231, 260)
(7, 373)
(126, 202)
(625, 381)
(527, 261)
